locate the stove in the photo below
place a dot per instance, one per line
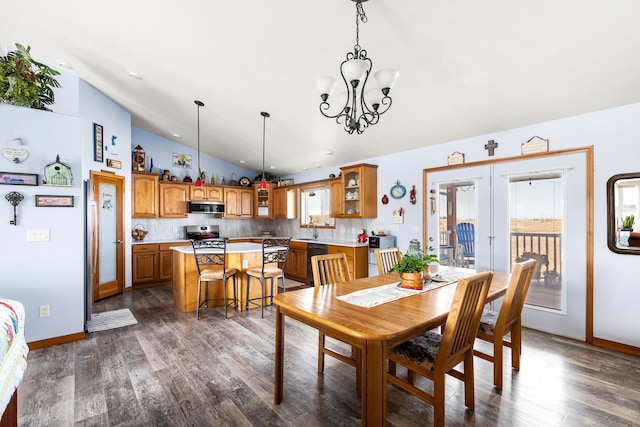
(201, 232)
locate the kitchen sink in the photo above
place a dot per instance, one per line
(309, 239)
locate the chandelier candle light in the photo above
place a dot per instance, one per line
(200, 175)
(363, 104)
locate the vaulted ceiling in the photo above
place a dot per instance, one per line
(467, 67)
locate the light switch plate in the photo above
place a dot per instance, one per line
(37, 235)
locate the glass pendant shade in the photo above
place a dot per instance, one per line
(355, 69)
(326, 85)
(386, 78)
(198, 182)
(263, 185)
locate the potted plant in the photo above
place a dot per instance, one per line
(26, 82)
(627, 223)
(413, 267)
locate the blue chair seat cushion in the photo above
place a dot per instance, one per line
(421, 350)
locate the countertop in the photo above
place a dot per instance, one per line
(319, 240)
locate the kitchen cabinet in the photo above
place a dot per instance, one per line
(173, 199)
(360, 191)
(357, 259)
(209, 193)
(152, 263)
(296, 266)
(238, 202)
(285, 203)
(144, 195)
(336, 192)
(263, 201)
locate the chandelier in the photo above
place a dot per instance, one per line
(363, 104)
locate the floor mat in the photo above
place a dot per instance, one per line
(111, 320)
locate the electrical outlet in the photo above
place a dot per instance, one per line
(245, 263)
(45, 311)
(175, 230)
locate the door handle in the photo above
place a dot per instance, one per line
(118, 242)
(431, 248)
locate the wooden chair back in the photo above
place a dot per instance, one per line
(516, 294)
(330, 269)
(463, 321)
(387, 258)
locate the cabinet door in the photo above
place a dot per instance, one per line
(214, 194)
(165, 265)
(246, 203)
(296, 267)
(285, 203)
(144, 263)
(173, 200)
(337, 194)
(144, 195)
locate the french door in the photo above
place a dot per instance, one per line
(520, 209)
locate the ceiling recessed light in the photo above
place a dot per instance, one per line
(134, 75)
(305, 168)
(329, 152)
(317, 166)
(242, 162)
(273, 167)
(177, 135)
(64, 64)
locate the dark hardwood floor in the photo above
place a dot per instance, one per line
(171, 370)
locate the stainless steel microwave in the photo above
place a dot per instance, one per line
(213, 208)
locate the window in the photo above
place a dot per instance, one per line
(315, 207)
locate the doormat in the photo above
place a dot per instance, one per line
(111, 320)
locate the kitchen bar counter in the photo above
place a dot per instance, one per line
(185, 275)
(319, 240)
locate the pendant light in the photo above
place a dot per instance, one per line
(263, 183)
(199, 180)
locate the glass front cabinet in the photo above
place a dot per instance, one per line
(360, 191)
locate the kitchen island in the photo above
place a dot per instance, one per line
(242, 256)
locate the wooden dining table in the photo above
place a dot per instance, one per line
(372, 330)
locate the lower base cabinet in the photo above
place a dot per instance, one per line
(152, 263)
(357, 259)
(296, 267)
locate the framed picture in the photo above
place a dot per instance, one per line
(98, 145)
(112, 163)
(181, 160)
(54, 201)
(14, 178)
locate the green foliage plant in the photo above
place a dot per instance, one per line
(25, 82)
(414, 262)
(628, 221)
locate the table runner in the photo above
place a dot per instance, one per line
(373, 297)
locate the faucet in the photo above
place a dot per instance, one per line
(312, 224)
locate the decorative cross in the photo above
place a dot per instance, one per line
(490, 146)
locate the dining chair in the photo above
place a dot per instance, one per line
(274, 258)
(210, 256)
(387, 258)
(494, 326)
(328, 270)
(433, 355)
(465, 236)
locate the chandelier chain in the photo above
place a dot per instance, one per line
(360, 16)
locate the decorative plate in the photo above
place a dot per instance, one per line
(398, 191)
(244, 181)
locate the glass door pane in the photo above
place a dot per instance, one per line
(536, 209)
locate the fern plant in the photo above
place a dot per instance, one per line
(25, 82)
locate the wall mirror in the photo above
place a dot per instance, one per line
(315, 205)
(623, 213)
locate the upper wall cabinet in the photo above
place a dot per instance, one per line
(210, 193)
(144, 195)
(238, 202)
(263, 201)
(173, 199)
(360, 191)
(285, 203)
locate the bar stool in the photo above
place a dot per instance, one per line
(274, 251)
(211, 255)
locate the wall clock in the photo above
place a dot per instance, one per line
(244, 181)
(398, 191)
